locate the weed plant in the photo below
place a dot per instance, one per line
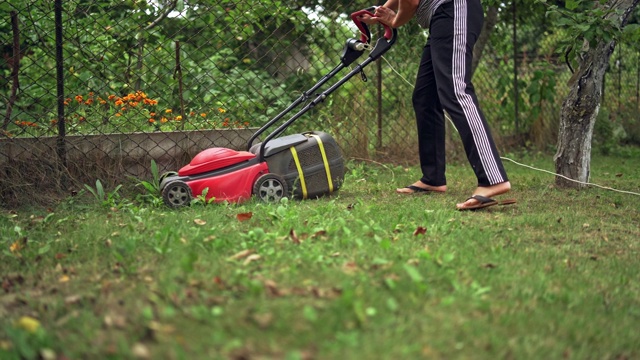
(364, 274)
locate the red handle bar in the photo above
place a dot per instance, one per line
(387, 29)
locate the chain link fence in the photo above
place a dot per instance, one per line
(99, 89)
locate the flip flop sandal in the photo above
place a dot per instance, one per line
(415, 190)
(483, 202)
(507, 202)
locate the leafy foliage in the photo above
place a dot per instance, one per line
(587, 23)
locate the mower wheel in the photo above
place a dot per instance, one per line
(270, 188)
(177, 194)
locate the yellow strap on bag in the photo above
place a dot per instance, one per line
(327, 168)
(303, 185)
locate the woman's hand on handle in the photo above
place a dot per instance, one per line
(385, 14)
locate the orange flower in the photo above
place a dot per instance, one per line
(119, 102)
(163, 120)
(118, 114)
(193, 113)
(25, 123)
(151, 121)
(221, 110)
(178, 118)
(89, 102)
(78, 98)
(152, 114)
(203, 114)
(168, 111)
(111, 97)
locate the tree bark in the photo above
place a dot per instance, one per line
(578, 116)
(580, 108)
(490, 21)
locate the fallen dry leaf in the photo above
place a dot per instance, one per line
(48, 354)
(263, 320)
(73, 299)
(272, 287)
(115, 321)
(10, 281)
(141, 351)
(294, 237)
(28, 323)
(321, 293)
(349, 267)
(244, 216)
(199, 222)
(15, 247)
(161, 328)
(241, 254)
(319, 233)
(251, 258)
(420, 231)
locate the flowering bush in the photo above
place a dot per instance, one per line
(134, 112)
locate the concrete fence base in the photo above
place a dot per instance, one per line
(131, 152)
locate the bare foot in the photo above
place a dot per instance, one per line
(485, 191)
(419, 186)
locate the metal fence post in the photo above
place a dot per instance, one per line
(61, 146)
(515, 67)
(379, 111)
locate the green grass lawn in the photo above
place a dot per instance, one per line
(365, 274)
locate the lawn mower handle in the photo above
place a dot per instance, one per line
(353, 49)
(364, 29)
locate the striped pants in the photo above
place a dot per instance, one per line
(444, 84)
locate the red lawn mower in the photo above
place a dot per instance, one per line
(303, 165)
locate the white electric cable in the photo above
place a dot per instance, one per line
(570, 179)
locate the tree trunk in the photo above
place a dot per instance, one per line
(580, 108)
(578, 116)
(490, 21)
